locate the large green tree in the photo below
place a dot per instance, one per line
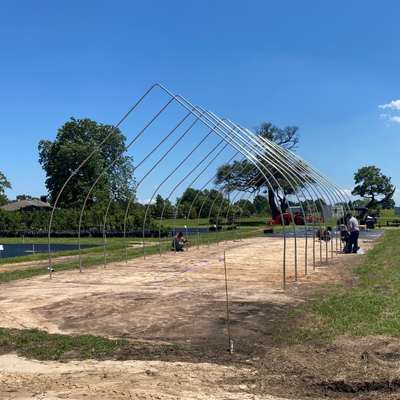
(162, 208)
(375, 187)
(201, 203)
(25, 197)
(75, 140)
(4, 184)
(261, 205)
(246, 176)
(246, 207)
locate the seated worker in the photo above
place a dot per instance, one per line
(324, 234)
(344, 237)
(178, 242)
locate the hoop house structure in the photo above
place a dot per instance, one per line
(178, 148)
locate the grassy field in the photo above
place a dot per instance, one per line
(115, 244)
(41, 345)
(181, 222)
(371, 307)
(387, 216)
(115, 252)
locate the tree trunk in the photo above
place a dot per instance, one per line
(284, 205)
(272, 204)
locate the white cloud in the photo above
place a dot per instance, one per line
(347, 193)
(396, 197)
(393, 105)
(392, 113)
(147, 201)
(395, 119)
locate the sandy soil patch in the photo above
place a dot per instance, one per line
(144, 380)
(174, 297)
(179, 299)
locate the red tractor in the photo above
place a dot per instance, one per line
(297, 217)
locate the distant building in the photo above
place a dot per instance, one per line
(397, 210)
(26, 205)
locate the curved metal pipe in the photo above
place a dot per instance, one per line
(113, 162)
(73, 173)
(331, 195)
(192, 182)
(291, 178)
(148, 173)
(235, 145)
(196, 196)
(170, 175)
(246, 145)
(299, 182)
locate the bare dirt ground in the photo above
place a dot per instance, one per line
(178, 296)
(178, 301)
(144, 380)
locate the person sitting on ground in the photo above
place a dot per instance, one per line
(178, 243)
(324, 234)
(354, 232)
(344, 237)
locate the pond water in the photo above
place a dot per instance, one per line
(18, 250)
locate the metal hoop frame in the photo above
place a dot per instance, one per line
(306, 185)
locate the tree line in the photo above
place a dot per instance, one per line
(193, 204)
(113, 174)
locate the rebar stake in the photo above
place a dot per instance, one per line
(230, 341)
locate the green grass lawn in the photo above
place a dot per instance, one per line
(202, 222)
(115, 244)
(371, 307)
(41, 345)
(181, 222)
(386, 216)
(116, 251)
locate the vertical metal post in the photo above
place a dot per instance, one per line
(314, 266)
(228, 324)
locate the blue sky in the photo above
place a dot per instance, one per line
(323, 66)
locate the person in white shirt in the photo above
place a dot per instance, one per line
(354, 231)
